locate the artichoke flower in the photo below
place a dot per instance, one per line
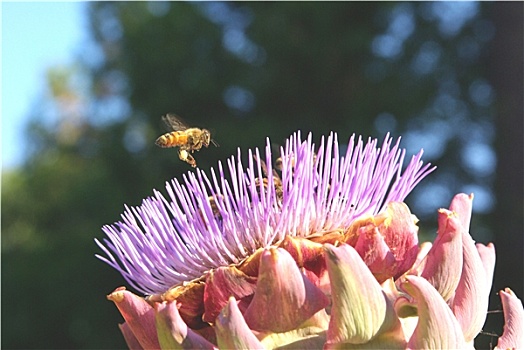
(321, 254)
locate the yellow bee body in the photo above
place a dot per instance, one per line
(191, 139)
(277, 181)
(186, 139)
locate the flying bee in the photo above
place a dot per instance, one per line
(185, 138)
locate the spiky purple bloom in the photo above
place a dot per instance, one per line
(212, 221)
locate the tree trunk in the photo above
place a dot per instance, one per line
(506, 74)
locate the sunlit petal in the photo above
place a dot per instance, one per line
(470, 302)
(487, 255)
(462, 205)
(444, 261)
(173, 333)
(437, 327)
(221, 284)
(513, 334)
(388, 243)
(139, 316)
(232, 330)
(282, 287)
(359, 305)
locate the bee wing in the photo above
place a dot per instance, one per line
(174, 122)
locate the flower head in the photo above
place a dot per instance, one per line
(218, 220)
(323, 254)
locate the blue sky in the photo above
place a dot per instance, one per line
(35, 36)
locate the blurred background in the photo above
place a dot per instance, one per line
(84, 86)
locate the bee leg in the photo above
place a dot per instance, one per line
(182, 154)
(191, 161)
(186, 157)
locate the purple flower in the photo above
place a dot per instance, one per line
(323, 255)
(212, 221)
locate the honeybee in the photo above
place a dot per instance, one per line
(213, 203)
(277, 181)
(185, 138)
(279, 162)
